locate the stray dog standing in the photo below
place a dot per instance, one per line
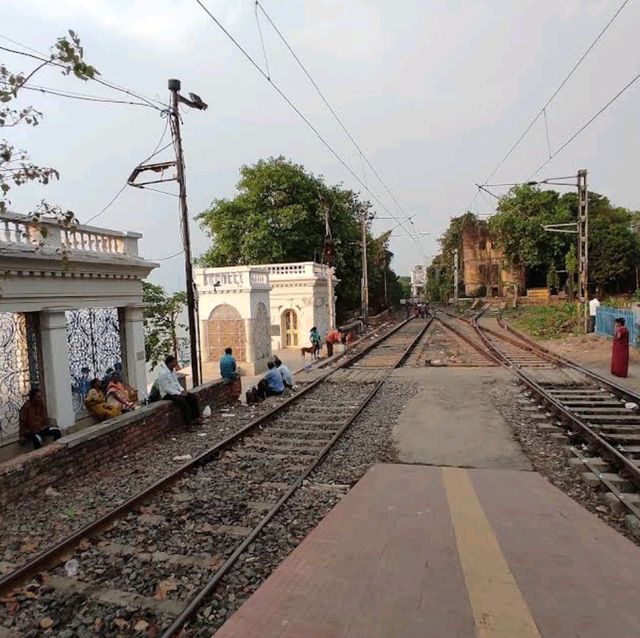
(314, 351)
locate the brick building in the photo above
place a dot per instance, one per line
(484, 268)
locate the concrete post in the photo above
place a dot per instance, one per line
(250, 350)
(55, 362)
(134, 349)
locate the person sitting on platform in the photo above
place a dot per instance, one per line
(285, 373)
(271, 384)
(228, 367)
(170, 389)
(131, 392)
(34, 420)
(97, 404)
(118, 395)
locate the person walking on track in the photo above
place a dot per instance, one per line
(620, 353)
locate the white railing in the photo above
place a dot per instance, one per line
(48, 234)
(303, 269)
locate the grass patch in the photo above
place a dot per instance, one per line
(546, 322)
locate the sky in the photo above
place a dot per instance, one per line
(434, 91)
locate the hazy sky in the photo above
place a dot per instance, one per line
(434, 91)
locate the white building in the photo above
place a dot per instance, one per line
(69, 299)
(232, 303)
(418, 281)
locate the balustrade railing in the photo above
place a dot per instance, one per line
(47, 233)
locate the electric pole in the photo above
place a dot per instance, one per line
(174, 115)
(455, 275)
(329, 255)
(583, 243)
(365, 280)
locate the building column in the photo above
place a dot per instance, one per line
(250, 342)
(55, 363)
(204, 341)
(134, 349)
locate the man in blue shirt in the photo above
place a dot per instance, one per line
(228, 368)
(271, 383)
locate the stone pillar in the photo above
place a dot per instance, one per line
(204, 341)
(134, 349)
(55, 363)
(250, 352)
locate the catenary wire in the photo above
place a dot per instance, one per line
(292, 106)
(554, 94)
(586, 125)
(331, 109)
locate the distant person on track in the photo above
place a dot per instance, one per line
(333, 337)
(170, 389)
(228, 366)
(285, 373)
(316, 341)
(34, 421)
(594, 304)
(271, 384)
(96, 403)
(620, 353)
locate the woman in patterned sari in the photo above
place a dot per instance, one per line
(97, 404)
(118, 394)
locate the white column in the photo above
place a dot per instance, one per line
(134, 348)
(55, 362)
(250, 341)
(204, 340)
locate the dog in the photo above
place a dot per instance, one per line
(314, 351)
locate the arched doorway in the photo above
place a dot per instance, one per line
(290, 328)
(225, 328)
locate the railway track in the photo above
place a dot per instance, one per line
(600, 417)
(166, 550)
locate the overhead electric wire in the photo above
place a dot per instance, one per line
(300, 114)
(79, 96)
(107, 83)
(586, 124)
(554, 95)
(338, 119)
(168, 257)
(155, 151)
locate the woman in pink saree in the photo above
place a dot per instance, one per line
(620, 354)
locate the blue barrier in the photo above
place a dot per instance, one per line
(605, 326)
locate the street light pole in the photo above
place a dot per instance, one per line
(174, 115)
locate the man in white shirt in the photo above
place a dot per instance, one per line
(594, 304)
(170, 389)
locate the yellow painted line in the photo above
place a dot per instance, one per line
(499, 609)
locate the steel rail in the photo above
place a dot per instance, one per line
(632, 470)
(195, 604)
(52, 554)
(489, 355)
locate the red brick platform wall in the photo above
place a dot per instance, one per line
(84, 451)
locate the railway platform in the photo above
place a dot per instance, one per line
(441, 552)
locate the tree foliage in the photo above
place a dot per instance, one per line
(278, 215)
(162, 322)
(16, 169)
(518, 229)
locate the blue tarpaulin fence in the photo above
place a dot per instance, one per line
(605, 326)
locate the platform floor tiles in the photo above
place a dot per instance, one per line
(431, 552)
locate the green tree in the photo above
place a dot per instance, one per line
(16, 168)
(404, 281)
(278, 214)
(162, 322)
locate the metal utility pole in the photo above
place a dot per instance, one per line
(364, 297)
(174, 115)
(329, 258)
(455, 274)
(583, 243)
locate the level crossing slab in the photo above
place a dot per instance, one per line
(441, 552)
